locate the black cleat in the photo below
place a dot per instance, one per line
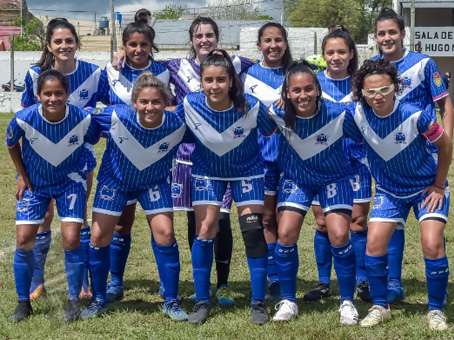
(320, 291)
(200, 313)
(274, 291)
(363, 291)
(72, 312)
(23, 309)
(259, 313)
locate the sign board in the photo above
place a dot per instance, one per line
(436, 41)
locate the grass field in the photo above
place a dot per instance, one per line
(138, 315)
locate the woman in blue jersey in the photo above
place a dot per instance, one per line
(395, 136)
(141, 142)
(422, 86)
(43, 176)
(264, 81)
(339, 52)
(223, 123)
(85, 81)
(312, 161)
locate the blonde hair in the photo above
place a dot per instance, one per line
(148, 79)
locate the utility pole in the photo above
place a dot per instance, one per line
(21, 19)
(412, 24)
(113, 34)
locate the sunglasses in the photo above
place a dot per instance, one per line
(384, 90)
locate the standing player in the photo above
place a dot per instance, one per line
(141, 143)
(313, 162)
(422, 86)
(224, 124)
(264, 81)
(339, 52)
(43, 175)
(395, 135)
(85, 80)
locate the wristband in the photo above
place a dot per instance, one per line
(439, 187)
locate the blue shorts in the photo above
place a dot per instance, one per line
(333, 197)
(244, 192)
(89, 158)
(70, 205)
(271, 178)
(388, 208)
(155, 200)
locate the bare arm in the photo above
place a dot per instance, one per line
(447, 115)
(119, 56)
(23, 181)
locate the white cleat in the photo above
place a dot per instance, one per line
(437, 320)
(348, 313)
(286, 310)
(377, 315)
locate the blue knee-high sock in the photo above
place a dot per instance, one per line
(271, 266)
(437, 273)
(377, 275)
(345, 267)
(168, 261)
(287, 265)
(85, 235)
(359, 241)
(153, 247)
(98, 265)
(23, 271)
(119, 252)
(396, 255)
(323, 256)
(74, 268)
(202, 260)
(257, 272)
(40, 251)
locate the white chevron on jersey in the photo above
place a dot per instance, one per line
(308, 147)
(75, 98)
(190, 77)
(387, 148)
(142, 157)
(34, 76)
(346, 99)
(268, 95)
(236, 64)
(220, 143)
(416, 74)
(44, 147)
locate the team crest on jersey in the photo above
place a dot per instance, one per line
(164, 147)
(107, 194)
(400, 138)
(238, 132)
(321, 139)
(202, 184)
(83, 94)
(73, 140)
(287, 187)
(176, 190)
(406, 82)
(10, 133)
(437, 79)
(96, 111)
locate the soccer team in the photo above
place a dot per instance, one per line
(273, 136)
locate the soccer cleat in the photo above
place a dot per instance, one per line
(437, 320)
(224, 297)
(72, 311)
(274, 291)
(321, 290)
(39, 291)
(200, 313)
(23, 309)
(363, 291)
(85, 293)
(173, 310)
(114, 292)
(94, 308)
(286, 310)
(394, 292)
(348, 313)
(259, 313)
(377, 315)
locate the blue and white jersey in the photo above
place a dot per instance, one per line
(312, 154)
(52, 151)
(265, 84)
(421, 79)
(136, 157)
(84, 85)
(226, 146)
(395, 149)
(119, 84)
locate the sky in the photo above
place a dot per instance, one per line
(85, 9)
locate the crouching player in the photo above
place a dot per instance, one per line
(48, 166)
(407, 176)
(141, 142)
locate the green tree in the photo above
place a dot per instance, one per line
(33, 37)
(171, 11)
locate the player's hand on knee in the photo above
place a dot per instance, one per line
(435, 198)
(22, 184)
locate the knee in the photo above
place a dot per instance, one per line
(252, 232)
(287, 236)
(98, 239)
(338, 237)
(375, 247)
(71, 243)
(433, 249)
(321, 223)
(25, 242)
(208, 230)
